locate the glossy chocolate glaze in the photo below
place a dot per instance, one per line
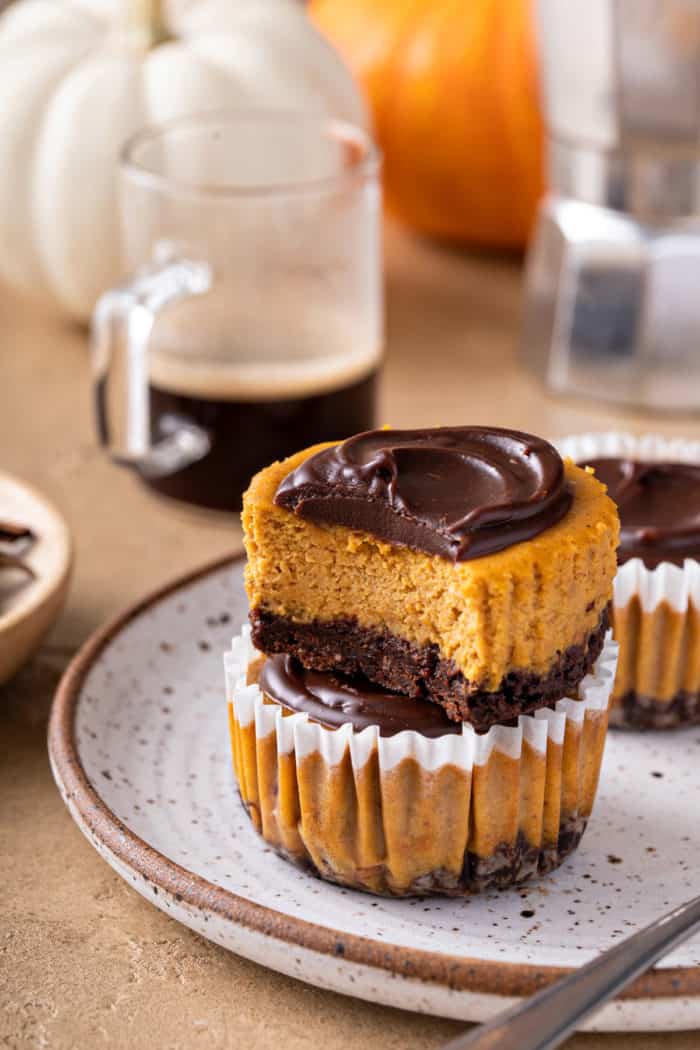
(659, 505)
(334, 700)
(458, 492)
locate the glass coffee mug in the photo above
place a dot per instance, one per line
(252, 326)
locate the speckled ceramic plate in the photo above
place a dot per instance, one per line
(139, 748)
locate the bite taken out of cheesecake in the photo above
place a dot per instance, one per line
(467, 565)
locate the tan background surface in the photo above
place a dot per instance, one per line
(84, 961)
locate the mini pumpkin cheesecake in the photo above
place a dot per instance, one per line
(468, 566)
(384, 793)
(655, 483)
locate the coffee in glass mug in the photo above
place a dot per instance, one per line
(252, 324)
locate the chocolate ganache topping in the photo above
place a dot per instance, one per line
(659, 506)
(334, 699)
(458, 492)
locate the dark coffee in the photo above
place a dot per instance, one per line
(248, 435)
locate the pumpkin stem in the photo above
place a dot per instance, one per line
(148, 22)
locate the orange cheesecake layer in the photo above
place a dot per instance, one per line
(515, 612)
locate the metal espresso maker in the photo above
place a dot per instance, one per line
(612, 303)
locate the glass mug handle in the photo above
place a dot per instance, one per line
(124, 317)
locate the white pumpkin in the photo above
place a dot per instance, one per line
(78, 78)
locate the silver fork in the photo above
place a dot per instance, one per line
(543, 1021)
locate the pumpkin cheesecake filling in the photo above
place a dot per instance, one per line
(504, 612)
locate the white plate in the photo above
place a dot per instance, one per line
(139, 747)
(28, 607)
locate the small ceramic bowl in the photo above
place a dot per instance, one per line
(29, 605)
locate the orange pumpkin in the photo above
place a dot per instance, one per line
(453, 91)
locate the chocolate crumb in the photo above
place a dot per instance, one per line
(344, 646)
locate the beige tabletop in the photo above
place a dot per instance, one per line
(84, 961)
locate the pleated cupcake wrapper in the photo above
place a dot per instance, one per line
(297, 733)
(656, 612)
(408, 813)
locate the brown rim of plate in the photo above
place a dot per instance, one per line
(457, 973)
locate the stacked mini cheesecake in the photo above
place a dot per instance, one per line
(422, 703)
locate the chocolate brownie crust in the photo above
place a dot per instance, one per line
(634, 711)
(510, 865)
(420, 672)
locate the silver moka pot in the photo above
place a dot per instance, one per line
(612, 304)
